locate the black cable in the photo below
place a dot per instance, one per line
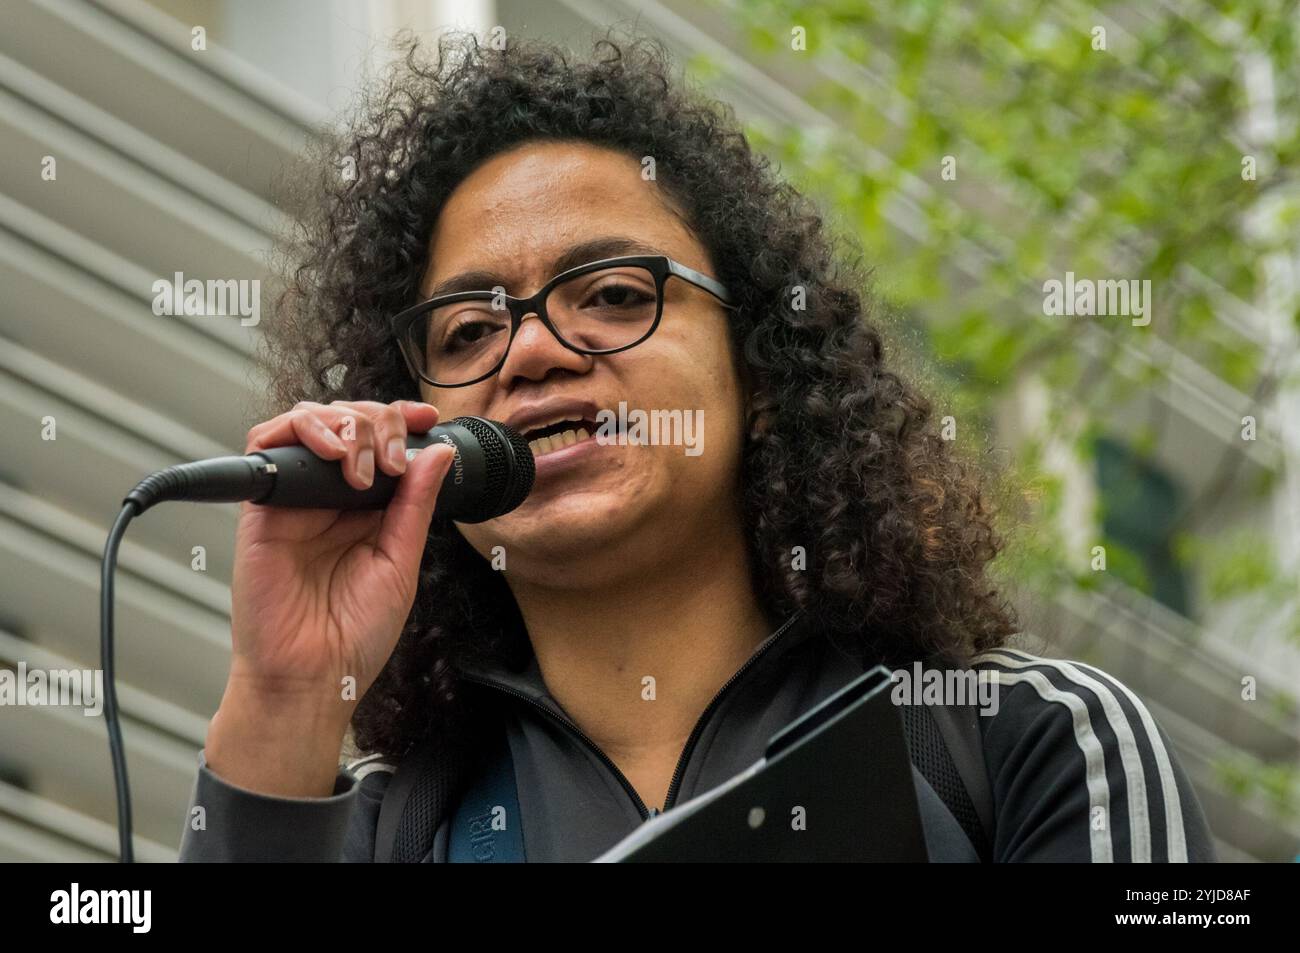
(118, 752)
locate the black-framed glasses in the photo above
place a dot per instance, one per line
(603, 307)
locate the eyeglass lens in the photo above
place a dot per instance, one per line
(597, 311)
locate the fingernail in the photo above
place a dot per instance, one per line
(397, 453)
(333, 439)
(366, 466)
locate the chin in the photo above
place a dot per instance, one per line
(566, 526)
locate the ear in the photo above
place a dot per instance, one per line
(758, 421)
(758, 406)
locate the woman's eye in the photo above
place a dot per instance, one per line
(469, 332)
(616, 296)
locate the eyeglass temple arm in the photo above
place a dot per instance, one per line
(701, 280)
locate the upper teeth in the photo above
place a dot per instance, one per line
(555, 441)
(544, 422)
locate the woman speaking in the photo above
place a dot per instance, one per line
(563, 247)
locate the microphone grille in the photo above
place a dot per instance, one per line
(509, 468)
(521, 474)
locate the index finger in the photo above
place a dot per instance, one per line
(419, 417)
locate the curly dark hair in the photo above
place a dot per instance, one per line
(896, 529)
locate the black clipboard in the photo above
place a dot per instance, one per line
(844, 763)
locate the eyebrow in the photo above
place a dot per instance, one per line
(595, 249)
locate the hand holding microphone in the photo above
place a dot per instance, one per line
(320, 595)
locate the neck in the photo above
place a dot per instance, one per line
(635, 663)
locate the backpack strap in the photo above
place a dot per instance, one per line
(486, 825)
(946, 746)
(421, 792)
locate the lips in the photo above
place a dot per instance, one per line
(554, 424)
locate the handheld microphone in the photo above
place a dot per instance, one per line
(491, 474)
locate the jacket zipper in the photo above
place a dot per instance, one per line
(694, 737)
(691, 740)
(559, 719)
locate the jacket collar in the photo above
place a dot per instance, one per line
(527, 680)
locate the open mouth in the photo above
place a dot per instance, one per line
(558, 435)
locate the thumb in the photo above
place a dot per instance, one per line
(405, 525)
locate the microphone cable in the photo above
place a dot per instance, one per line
(116, 750)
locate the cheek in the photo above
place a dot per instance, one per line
(455, 402)
(693, 373)
(708, 379)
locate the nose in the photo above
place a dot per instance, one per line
(535, 352)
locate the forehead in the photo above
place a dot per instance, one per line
(518, 212)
